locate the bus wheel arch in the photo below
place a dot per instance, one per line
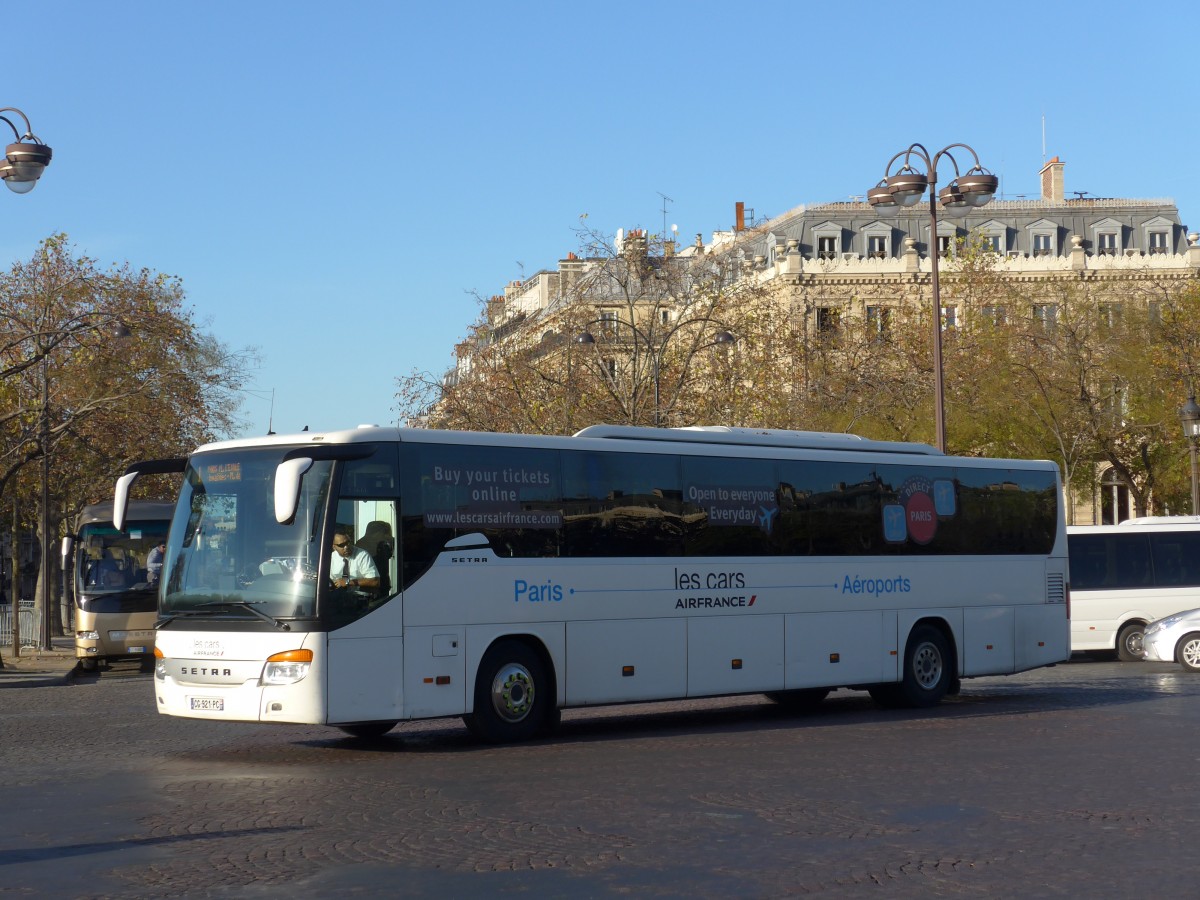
(1130, 637)
(515, 691)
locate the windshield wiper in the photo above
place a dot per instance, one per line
(242, 604)
(163, 620)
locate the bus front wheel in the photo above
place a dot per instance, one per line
(512, 694)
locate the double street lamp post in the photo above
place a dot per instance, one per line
(904, 190)
(1189, 415)
(654, 352)
(24, 161)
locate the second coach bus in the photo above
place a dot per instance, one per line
(1125, 576)
(503, 578)
(109, 573)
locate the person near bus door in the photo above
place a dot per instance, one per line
(351, 566)
(154, 562)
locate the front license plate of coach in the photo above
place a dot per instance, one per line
(208, 704)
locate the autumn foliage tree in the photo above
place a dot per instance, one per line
(99, 367)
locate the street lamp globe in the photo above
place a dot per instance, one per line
(23, 165)
(1189, 416)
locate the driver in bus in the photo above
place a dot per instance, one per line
(351, 566)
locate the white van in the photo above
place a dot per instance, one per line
(1125, 576)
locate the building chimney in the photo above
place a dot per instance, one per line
(1052, 181)
(739, 216)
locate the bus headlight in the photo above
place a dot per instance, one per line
(160, 665)
(87, 635)
(287, 667)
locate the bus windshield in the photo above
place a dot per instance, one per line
(227, 553)
(111, 561)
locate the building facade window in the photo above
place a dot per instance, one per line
(877, 246)
(1045, 314)
(949, 318)
(1106, 243)
(826, 247)
(1158, 242)
(945, 244)
(1041, 245)
(879, 321)
(828, 320)
(994, 315)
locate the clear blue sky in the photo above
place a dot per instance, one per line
(332, 183)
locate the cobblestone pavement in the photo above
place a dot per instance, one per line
(1056, 783)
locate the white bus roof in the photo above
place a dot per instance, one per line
(597, 435)
(1158, 523)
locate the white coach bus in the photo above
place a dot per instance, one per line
(1125, 576)
(520, 575)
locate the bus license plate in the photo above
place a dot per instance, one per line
(136, 649)
(208, 704)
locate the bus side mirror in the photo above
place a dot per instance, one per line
(287, 487)
(121, 499)
(68, 543)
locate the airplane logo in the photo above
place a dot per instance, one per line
(765, 515)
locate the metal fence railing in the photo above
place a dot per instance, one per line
(30, 625)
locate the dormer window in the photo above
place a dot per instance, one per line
(1157, 235)
(1043, 237)
(993, 237)
(828, 236)
(877, 246)
(1106, 243)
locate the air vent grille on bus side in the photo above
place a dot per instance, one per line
(1056, 588)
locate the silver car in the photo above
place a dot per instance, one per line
(1174, 638)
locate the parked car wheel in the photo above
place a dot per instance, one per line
(1187, 651)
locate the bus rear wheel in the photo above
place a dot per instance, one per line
(512, 694)
(928, 672)
(1129, 642)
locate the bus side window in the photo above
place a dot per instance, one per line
(1133, 561)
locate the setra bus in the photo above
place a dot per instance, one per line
(115, 592)
(1125, 576)
(519, 575)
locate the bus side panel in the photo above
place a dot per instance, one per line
(1042, 636)
(369, 684)
(734, 654)
(617, 661)
(435, 671)
(988, 645)
(840, 649)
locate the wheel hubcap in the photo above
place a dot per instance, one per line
(927, 666)
(512, 692)
(1191, 654)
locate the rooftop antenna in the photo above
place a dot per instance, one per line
(665, 200)
(261, 394)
